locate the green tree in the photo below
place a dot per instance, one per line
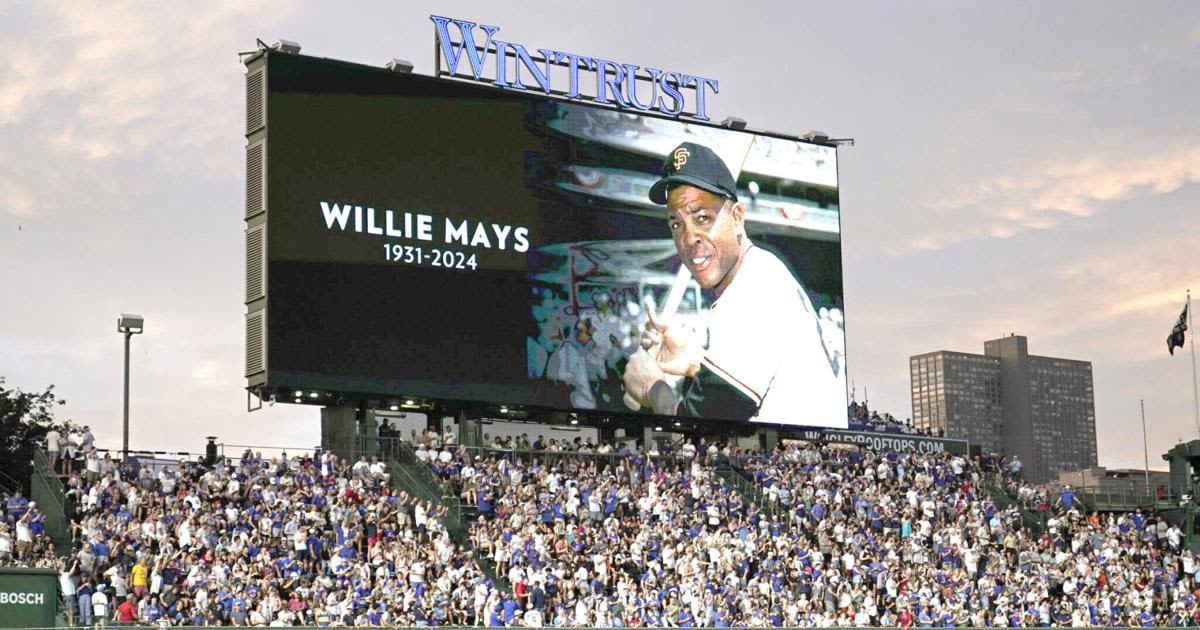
(25, 418)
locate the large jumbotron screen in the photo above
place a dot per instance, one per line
(431, 238)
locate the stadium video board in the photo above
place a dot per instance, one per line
(431, 238)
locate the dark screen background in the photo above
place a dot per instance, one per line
(342, 318)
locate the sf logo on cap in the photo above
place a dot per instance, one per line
(681, 157)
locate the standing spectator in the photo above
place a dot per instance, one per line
(17, 505)
(1066, 499)
(66, 587)
(91, 465)
(54, 450)
(100, 612)
(24, 538)
(86, 609)
(127, 611)
(140, 577)
(6, 544)
(87, 441)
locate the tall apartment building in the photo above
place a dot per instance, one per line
(1040, 409)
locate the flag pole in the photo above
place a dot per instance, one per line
(1192, 344)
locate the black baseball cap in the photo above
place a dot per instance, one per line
(695, 165)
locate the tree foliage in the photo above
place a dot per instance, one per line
(25, 418)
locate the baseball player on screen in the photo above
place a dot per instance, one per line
(762, 356)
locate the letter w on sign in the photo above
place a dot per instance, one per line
(466, 43)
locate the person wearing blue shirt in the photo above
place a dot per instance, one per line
(1066, 498)
(37, 521)
(509, 607)
(100, 550)
(315, 545)
(483, 501)
(153, 611)
(17, 506)
(610, 501)
(283, 565)
(1139, 519)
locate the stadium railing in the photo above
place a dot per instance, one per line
(47, 490)
(1127, 498)
(410, 474)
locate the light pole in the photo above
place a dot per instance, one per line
(128, 325)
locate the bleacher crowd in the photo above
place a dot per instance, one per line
(862, 418)
(599, 535)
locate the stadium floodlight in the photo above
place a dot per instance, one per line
(733, 122)
(287, 46)
(129, 325)
(402, 66)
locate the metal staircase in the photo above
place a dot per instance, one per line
(47, 491)
(414, 477)
(754, 492)
(1034, 520)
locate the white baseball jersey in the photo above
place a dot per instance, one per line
(764, 338)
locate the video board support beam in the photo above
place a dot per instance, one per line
(470, 430)
(253, 394)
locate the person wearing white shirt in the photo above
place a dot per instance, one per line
(764, 354)
(24, 536)
(100, 604)
(92, 465)
(86, 440)
(53, 448)
(6, 544)
(378, 470)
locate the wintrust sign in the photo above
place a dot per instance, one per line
(624, 85)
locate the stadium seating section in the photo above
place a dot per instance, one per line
(568, 535)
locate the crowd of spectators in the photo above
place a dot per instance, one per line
(23, 538)
(862, 418)
(257, 541)
(846, 538)
(601, 535)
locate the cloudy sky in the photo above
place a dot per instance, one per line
(1023, 167)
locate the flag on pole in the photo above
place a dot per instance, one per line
(1176, 338)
